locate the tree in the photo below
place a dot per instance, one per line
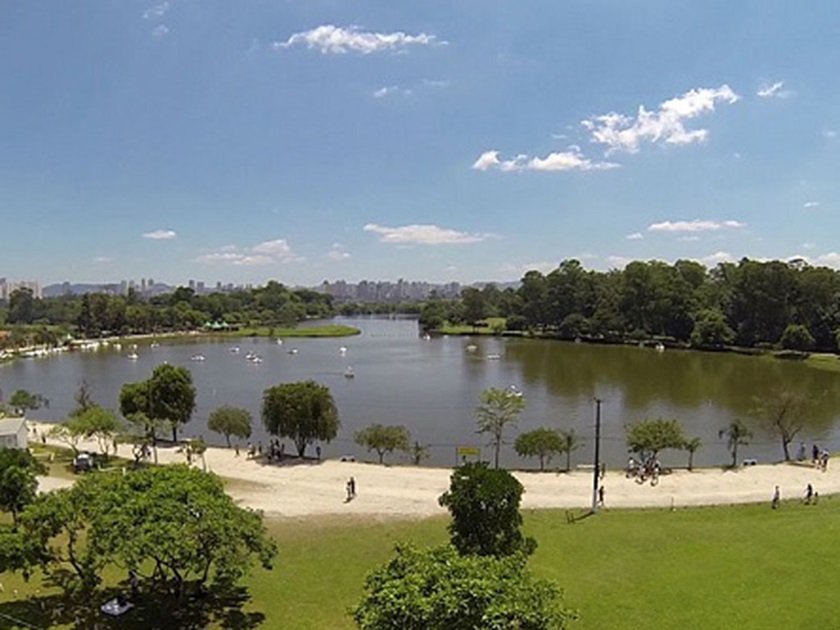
(711, 330)
(70, 433)
(302, 411)
(543, 443)
(474, 306)
(22, 400)
(418, 452)
(171, 396)
(782, 413)
(499, 408)
(438, 588)
(736, 435)
(692, 445)
(18, 485)
(98, 423)
(84, 399)
(571, 442)
(797, 337)
(383, 439)
(229, 421)
(484, 504)
(649, 437)
(184, 531)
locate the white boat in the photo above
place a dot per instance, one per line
(472, 347)
(514, 390)
(133, 356)
(279, 342)
(660, 347)
(235, 350)
(493, 357)
(342, 350)
(154, 345)
(427, 337)
(256, 359)
(198, 357)
(133, 346)
(117, 346)
(348, 373)
(293, 351)
(250, 355)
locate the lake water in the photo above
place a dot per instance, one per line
(433, 386)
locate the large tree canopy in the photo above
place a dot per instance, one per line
(383, 439)
(303, 412)
(499, 409)
(168, 396)
(649, 437)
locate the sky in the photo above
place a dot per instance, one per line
(461, 140)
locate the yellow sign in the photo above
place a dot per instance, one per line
(469, 451)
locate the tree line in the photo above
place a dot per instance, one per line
(751, 303)
(97, 314)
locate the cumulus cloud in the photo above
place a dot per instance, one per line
(619, 262)
(277, 251)
(635, 236)
(694, 226)
(622, 133)
(688, 239)
(157, 11)
(831, 259)
(161, 235)
(774, 91)
(417, 234)
(337, 252)
(829, 133)
(811, 204)
(571, 160)
(519, 270)
(713, 260)
(161, 30)
(331, 39)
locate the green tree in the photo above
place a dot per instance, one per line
(797, 337)
(474, 307)
(229, 421)
(711, 330)
(692, 445)
(84, 399)
(418, 452)
(383, 439)
(173, 526)
(736, 434)
(100, 424)
(499, 409)
(782, 413)
(571, 441)
(484, 504)
(649, 437)
(439, 588)
(302, 411)
(171, 396)
(18, 484)
(69, 432)
(543, 443)
(22, 401)
(21, 307)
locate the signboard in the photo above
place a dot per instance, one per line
(469, 451)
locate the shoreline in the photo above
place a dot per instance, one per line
(303, 488)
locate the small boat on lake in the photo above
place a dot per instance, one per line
(234, 350)
(293, 351)
(198, 357)
(348, 373)
(133, 356)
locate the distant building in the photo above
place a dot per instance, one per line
(7, 288)
(13, 433)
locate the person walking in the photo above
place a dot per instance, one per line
(777, 497)
(601, 495)
(809, 494)
(352, 487)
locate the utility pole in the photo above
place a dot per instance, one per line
(597, 467)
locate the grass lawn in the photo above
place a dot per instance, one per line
(824, 361)
(327, 330)
(489, 326)
(742, 566)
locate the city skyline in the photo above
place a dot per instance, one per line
(465, 142)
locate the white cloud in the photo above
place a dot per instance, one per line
(331, 39)
(161, 30)
(390, 90)
(688, 239)
(277, 251)
(829, 133)
(571, 160)
(811, 204)
(417, 234)
(103, 259)
(808, 245)
(157, 11)
(713, 260)
(619, 262)
(832, 259)
(161, 235)
(337, 252)
(774, 91)
(622, 133)
(635, 236)
(694, 226)
(519, 270)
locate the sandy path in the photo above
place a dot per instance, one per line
(297, 489)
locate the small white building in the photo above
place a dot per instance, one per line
(14, 433)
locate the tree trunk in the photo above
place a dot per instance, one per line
(568, 460)
(735, 455)
(690, 460)
(174, 432)
(227, 437)
(381, 455)
(542, 463)
(785, 444)
(498, 446)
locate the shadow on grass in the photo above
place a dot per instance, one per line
(222, 608)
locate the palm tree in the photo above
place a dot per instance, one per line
(736, 434)
(691, 446)
(570, 442)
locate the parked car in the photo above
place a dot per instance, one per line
(83, 462)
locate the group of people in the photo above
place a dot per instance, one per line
(819, 456)
(276, 450)
(649, 468)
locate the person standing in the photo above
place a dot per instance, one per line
(352, 487)
(809, 494)
(601, 495)
(777, 497)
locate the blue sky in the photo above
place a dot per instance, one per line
(466, 140)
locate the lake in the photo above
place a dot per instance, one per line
(433, 386)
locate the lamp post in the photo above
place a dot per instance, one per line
(597, 468)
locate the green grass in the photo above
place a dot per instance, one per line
(489, 326)
(327, 330)
(742, 566)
